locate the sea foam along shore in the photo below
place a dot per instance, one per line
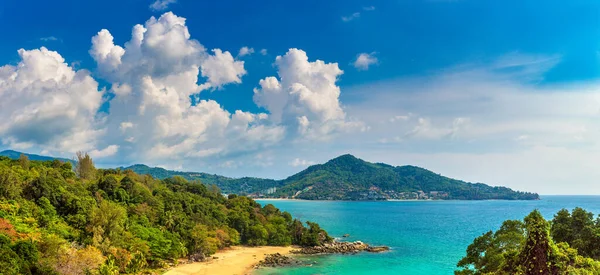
(236, 260)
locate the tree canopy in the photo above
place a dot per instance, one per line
(54, 220)
(566, 245)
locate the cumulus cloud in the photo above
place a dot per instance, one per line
(46, 103)
(161, 5)
(364, 61)
(154, 114)
(153, 77)
(263, 51)
(305, 96)
(222, 69)
(245, 51)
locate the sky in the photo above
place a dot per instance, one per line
(500, 92)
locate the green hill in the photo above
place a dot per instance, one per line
(343, 178)
(349, 178)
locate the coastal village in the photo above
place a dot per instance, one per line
(373, 193)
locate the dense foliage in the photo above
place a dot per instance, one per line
(349, 178)
(118, 222)
(569, 244)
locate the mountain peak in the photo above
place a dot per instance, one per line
(345, 158)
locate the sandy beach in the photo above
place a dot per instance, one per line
(234, 261)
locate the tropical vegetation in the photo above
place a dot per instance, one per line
(60, 219)
(568, 244)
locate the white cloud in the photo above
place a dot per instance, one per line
(263, 51)
(351, 17)
(46, 103)
(153, 77)
(245, 51)
(222, 69)
(425, 130)
(306, 97)
(369, 8)
(161, 5)
(301, 162)
(364, 61)
(111, 150)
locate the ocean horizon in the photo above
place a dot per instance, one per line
(424, 237)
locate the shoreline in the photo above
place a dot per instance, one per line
(394, 200)
(236, 260)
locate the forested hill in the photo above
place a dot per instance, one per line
(349, 178)
(58, 219)
(243, 186)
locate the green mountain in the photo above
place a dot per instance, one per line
(349, 178)
(15, 155)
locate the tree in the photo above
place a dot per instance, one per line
(536, 253)
(24, 161)
(85, 166)
(10, 185)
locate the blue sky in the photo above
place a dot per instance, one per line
(501, 92)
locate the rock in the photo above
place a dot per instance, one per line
(346, 235)
(334, 247)
(337, 247)
(278, 260)
(198, 257)
(376, 249)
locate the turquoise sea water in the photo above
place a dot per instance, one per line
(426, 237)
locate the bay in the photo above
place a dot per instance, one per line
(426, 237)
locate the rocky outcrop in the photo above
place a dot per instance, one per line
(376, 249)
(336, 247)
(278, 260)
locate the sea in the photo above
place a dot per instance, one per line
(426, 237)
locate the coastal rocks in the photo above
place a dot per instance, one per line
(346, 235)
(278, 260)
(340, 248)
(377, 249)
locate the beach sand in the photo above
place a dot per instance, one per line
(233, 261)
